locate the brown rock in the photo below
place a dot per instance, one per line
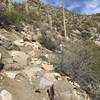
(47, 67)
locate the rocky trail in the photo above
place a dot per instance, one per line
(26, 76)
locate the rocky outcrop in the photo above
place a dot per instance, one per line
(26, 75)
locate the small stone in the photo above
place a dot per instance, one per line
(11, 74)
(5, 95)
(28, 38)
(19, 42)
(47, 67)
(97, 43)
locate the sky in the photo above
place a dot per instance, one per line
(80, 6)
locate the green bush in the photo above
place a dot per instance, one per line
(85, 35)
(15, 17)
(49, 41)
(82, 63)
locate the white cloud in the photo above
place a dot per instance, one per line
(91, 7)
(72, 7)
(85, 6)
(56, 3)
(44, 1)
(91, 4)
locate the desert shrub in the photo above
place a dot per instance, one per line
(82, 63)
(98, 14)
(80, 57)
(35, 16)
(3, 15)
(12, 17)
(85, 35)
(49, 41)
(15, 17)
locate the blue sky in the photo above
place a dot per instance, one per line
(80, 6)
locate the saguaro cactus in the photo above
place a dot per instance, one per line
(10, 5)
(64, 20)
(26, 6)
(50, 21)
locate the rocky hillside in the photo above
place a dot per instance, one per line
(27, 74)
(46, 17)
(37, 62)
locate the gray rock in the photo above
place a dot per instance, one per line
(14, 67)
(8, 60)
(19, 42)
(5, 95)
(20, 88)
(20, 57)
(44, 80)
(9, 45)
(4, 52)
(17, 60)
(62, 90)
(36, 36)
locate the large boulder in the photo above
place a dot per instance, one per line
(17, 60)
(19, 88)
(20, 57)
(61, 90)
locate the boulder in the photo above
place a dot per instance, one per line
(47, 67)
(31, 72)
(44, 80)
(37, 35)
(61, 90)
(19, 42)
(8, 45)
(19, 88)
(5, 95)
(97, 43)
(20, 57)
(28, 38)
